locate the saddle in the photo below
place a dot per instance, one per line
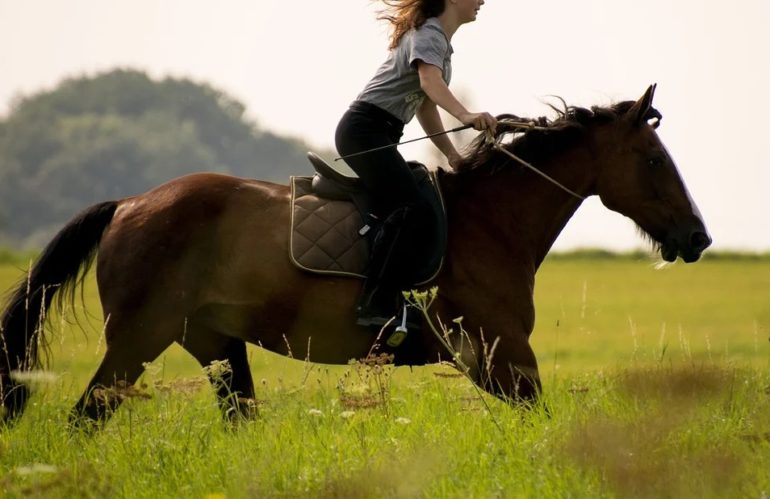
(332, 226)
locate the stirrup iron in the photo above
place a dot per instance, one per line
(399, 335)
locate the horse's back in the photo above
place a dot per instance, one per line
(202, 196)
(197, 227)
(211, 187)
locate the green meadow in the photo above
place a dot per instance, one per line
(656, 384)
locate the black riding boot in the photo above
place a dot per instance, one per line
(379, 300)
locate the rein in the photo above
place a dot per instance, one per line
(528, 125)
(490, 138)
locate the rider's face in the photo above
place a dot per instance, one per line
(468, 9)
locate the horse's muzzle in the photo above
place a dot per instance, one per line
(689, 248)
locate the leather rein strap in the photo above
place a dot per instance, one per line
(491, 139)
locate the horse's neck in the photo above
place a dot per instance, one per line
(520, 209)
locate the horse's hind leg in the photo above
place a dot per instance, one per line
(224, 359)
(129, 347)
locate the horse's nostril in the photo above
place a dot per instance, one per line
(700, 240)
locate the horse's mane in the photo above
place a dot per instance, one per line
(544, 139)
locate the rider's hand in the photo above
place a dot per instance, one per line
(454, 161)
(480, 121)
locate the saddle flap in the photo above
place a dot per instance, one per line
(324, 235)
(329, 235)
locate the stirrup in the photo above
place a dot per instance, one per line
(399, 335)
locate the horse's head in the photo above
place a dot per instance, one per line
(638, 179)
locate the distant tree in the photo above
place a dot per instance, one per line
(118, 134)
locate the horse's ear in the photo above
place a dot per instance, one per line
(638, 112)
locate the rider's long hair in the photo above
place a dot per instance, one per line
(404, 15)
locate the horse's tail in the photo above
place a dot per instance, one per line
(62, 265)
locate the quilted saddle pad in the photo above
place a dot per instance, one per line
(324, 235)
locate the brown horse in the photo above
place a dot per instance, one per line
(202, 261)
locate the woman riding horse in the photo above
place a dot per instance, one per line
(181, 263)
(413, 80)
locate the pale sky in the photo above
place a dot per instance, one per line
(296, 65)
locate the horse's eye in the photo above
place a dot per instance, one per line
(655, 162)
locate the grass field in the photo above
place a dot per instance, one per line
(657, 384)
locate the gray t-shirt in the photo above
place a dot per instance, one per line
(396, 85)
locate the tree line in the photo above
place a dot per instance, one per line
(117, 134)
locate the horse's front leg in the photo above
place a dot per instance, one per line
(496, 353)
(506, 367)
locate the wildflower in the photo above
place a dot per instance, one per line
(33, 469)
(347, 414)
(218, 369)
(315, 412)
(403, 421)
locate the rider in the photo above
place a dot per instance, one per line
(413, 80)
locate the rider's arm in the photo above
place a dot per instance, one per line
(430, 120)
(434, 86)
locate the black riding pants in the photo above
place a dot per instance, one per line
(384, 173)
(387, 177)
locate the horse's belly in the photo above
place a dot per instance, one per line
(303, 331)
